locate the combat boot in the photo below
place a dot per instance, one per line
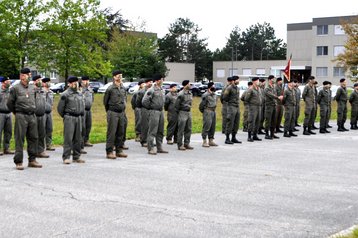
(42, 155)
(152, 152)
(188, 147)
(34, 164)
(322, 131)
(19, 166)
(66, 161)
(249, 138)
(327, 131)
(170, 142)
(260, 132)
(50, 148)
(314, 127)
(278, 130)
(292, 134)
(121, 155)
(267, 136)
(110, 155)
(340, 128)
(310, 131)
(272, 134)
(212, 143)
(345, 129)
(79, 161)
(8, 152)
(234, 140)
(228, 141)
(286, 134)
(205, 143)
(255, 137)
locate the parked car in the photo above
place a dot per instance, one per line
(243, 86)
(334, 89)
(166, 86)
(95, 86)
(58, 88)
(196, 88)
(104, 87)
(128, 85)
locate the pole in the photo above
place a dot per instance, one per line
(232, 61)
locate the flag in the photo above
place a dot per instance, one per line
(286, 72)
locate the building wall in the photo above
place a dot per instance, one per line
(177, 72)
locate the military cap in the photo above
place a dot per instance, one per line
(3, 79)
(172, 85)
(235, 77)
(311, 77)
(270, 77)
(342, 80)
(229, 79)
(36, 77)
(254, 79)
(355, 85)
(278, 79)
(330, 83)
(84, 78)
(116, 72)
(210, 84)
(157, 77)
(141, 81)
(25, 71)
(185, 82)
(262, 80)
(45, 80)
(72, 79)
(249, 83)
(325, 83)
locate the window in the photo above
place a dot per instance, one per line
(322, 71)
(322, 30)
(338, 49)
(53, 75)
(260, 71)
(322, 50)
(220, 73)
(246, 71)
(338, 72)
(338, 30)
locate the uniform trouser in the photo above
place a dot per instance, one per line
(83, 131)
(309, 116)
(144, 125)
(48, 128)
(246, 115)
(262, 116)
(315, 115)
(172, 127)
(254, 118)
(41, 131)
(72, 136)
(354, 115)
(289, 118)
(137, 118)
(232, 119)
(297, 112)
(323, 112)
(155, 129)
(329, 115)
(87, 125)
(6, 127)
(116, 122)
(209, 124)
(279, 115)
(124, 135)
(270, 117)
(25, 126)
(223, 117)
(341, 113)
(184, 128)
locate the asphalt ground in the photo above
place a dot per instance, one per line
(290, 187)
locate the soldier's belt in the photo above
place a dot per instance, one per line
(72, 114)
(25, 113)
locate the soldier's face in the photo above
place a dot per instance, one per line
(85, 83)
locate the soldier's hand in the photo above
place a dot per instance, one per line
(280, 97)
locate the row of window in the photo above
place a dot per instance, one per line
(323, 50)
(323, 72)
(323, 30)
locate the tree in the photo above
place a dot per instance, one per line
(349, 59)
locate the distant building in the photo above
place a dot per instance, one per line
(313, 45)
(177, 72)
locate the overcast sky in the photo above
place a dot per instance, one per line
(218, 18)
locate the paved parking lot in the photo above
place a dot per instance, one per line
(299, 187)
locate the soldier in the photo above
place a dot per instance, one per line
(353, 99)
(144, 112)
(262, 84)
(154, 101)
(341, 98)
(88, 99)
(48, 113)
(289, 101)
(232, 98)
(308, 96)
(323, 99)
(224, 106)
(137, 111)
(315, 105)
(183, 106)
(70, 108)
(207, 107)
(172, 116)
(5, 116)
(329, 105)
(279, 107)
(271, 99)
(40, 101)
(115, 101)
(253, 99)
(246, 111)
(22, 103)
(298, 106)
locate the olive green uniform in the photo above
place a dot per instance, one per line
(279, 107)
(270, 108)
(48, 117)
(289, 102)
(144, 116)
(172, 115)
(254, 100)
(246, 112)
(183, 106)
(22, 103)
(308, 96)
(137, 114)
(341, 98)
(353, 99)
(88, 100)
(5, 120)
(40, 100)
(207, 106)
(298, 106)
(323, 99)
(232, 98)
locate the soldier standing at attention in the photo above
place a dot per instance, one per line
(172, 116)
(308, 96)
(315, 105)
(232, 98)
(183, 106)
(323, 99)
(289, 101)
(298, 100)
(207, 107)
(114, 101)
(40, 101)
(279, 106)
(70, 108)
(246, 111)
(22, 103)
(224, 106)
(5, 117)
(48, 113)
(270, 109)
(262, 85)
(137, 111)
(253, 99)
(144, 112)
(341, 98)
(353, 99)
(154, 101)
(329, 105)
(88, 98)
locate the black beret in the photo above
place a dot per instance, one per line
(255, 79)
(141, 81)
(270, 77)
(342, 80)
(211, 84)
(116, 72)
(262, 80)
(72, 79)
(355, 85)
(3, 79)
(157, 77)
(311, 77)
(172, 85)
(249, 83)
(185, 82)
(85, 78)
(229, 79)
(148, 80)
(278, 79)
(25, 71)
(235, 77)
(330, 83)
(325, 82)
(45, 80)
(295, 81)
(34, 78)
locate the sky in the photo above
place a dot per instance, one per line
(217, 19)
